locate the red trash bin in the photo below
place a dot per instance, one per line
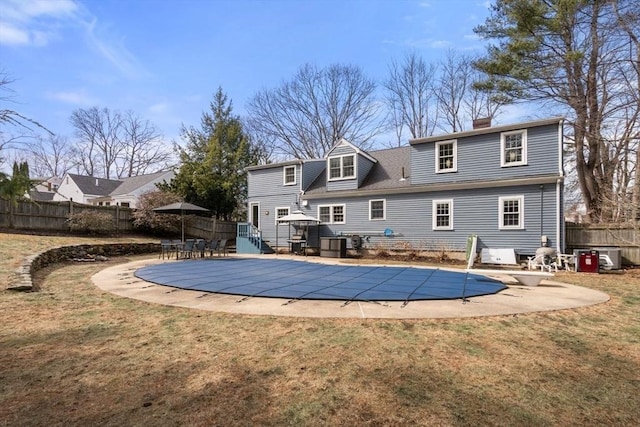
(588, 262)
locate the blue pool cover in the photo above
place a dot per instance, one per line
(305, 280)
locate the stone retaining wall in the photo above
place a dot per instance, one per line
(36, 262)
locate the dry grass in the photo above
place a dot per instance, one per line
(74, 355)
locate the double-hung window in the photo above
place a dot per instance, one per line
(442, 214)
(342, 167)
(446, 156)
(511, 212)
(289, 175)
(513, 148)
(280, 212)
(332, 214)
(377, 209)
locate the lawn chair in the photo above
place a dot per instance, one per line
(187, 250)
(199, 248)
(222, 247)
(166, 247)
(212, 246)
(545, 259)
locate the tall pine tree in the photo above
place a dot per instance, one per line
(212, 172)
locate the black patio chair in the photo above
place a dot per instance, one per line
(186, 251)
(212, 246)
(166, 247)
(199, 248)
(222, 247)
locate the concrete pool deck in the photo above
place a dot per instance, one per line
(517, 299)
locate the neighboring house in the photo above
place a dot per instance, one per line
(45, 188)
(108, 192)
(504, 184)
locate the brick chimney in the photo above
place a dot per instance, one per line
(484, 122)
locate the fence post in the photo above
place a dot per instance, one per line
(117, 218)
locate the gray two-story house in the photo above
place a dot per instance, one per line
(503, 184)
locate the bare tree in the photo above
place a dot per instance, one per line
(143, 149)
(317, 107)
(459, 101)
(50, 157)
(410, 96)
(21, 125)
(581, 58)
(113, 144)
(11, 116)
(100, 141)
(628, 19)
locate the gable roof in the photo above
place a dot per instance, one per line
(387, 172)
(129, 185)
(343, 142)
(95, 186)
(41, 196)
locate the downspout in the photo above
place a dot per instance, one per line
(559, 188)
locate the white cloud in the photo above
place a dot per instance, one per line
(440, 44)
(160, 108)
(12, 36)
(80, 98)
(38, 22)
(113, 50)
(32, 22)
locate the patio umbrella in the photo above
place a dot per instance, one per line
(182, 209)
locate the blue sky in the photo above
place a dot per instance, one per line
(164, 59)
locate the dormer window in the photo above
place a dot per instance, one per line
(342, 167)
(289, 173)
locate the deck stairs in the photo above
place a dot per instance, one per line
(249, 240)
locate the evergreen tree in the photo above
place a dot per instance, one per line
(212, 173)
(15, 187)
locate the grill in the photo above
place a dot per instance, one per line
(298, 244)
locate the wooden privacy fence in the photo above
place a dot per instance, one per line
(585, 236)
(210, 228)
(52, 216)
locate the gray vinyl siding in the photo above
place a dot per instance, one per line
(409, 215)
(474, 212)
(479, 158)
(342, 184)
(270, 182)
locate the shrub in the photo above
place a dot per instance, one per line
(91, 221)
(146, 219)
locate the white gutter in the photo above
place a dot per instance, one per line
(559, 183)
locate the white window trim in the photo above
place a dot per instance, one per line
(501, 201)
(503, 160)
(454, 168)
(342, 176)
(434, 217)
(276, 213)
(284, 175)
(384, 209)
(332, 220)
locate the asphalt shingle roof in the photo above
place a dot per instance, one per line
(95, 186)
